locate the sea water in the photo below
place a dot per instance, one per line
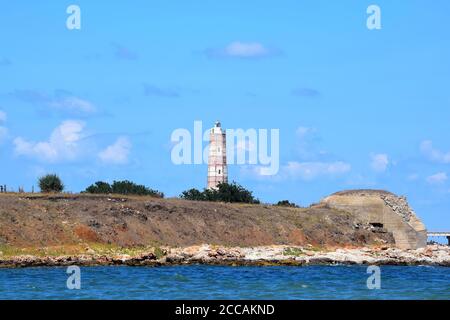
(226, 282)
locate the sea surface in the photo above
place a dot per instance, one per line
(225, 282)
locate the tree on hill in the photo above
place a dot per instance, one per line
(193, 194)
(50, 183)
(234, 193)
(123, 187)
(99, 187)
(225, 192)
(287, 203)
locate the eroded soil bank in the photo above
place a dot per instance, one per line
(37, 221)
(60, 230)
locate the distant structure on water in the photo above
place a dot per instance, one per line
(217, 158)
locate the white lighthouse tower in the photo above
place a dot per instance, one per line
(217, 158)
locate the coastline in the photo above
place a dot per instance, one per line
(276, 255)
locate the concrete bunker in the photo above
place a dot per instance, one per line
(383, 210)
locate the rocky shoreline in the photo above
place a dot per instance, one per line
(433, 255)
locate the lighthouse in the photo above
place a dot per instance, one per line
(217, 158)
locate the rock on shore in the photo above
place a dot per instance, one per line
(435, 255)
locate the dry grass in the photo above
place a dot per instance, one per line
(7, 251)
(61, 224)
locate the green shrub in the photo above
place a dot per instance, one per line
(234, 192)
(296, 252)
(123, 187)
(193, 194)
(159, 253)
(128, 187)
(225, 192)
(286, 203)
(50, 183)
(99, 187)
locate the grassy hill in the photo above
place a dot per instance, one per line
(32, 221)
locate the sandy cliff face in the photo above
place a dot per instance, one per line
(40, 221)
(345, 219)
(385, 210)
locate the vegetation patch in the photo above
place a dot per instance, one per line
(159, 253)
(50, 183)
(225, 192)
(296, 252)
(122, 187)
(287, 203)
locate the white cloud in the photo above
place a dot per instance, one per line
(379, 162)
(434, 154)
(246, 49)
(116, 153)
(238, 49)
(63, 143)
(438, 178)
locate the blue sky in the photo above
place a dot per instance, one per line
(356, 108)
